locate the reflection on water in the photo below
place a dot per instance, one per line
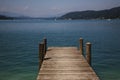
(19, 45)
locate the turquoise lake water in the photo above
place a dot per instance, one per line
(19, 41)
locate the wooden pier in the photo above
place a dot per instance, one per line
(65, 63)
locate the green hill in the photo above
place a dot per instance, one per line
(91, 14)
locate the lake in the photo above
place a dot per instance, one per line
(19, 41)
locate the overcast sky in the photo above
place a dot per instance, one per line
(45, 8)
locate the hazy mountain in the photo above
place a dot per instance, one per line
(10, 14)
(5, 17)
(91, 14)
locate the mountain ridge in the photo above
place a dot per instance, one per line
(112, 13)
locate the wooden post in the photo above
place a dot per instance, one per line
(41, 47)
(81, 45)
(45, 44)
(88, 53)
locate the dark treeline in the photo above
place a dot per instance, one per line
(91, 14)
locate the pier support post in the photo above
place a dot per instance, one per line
(45, 44)
(41, 55)
(88, 53)
(81, 45)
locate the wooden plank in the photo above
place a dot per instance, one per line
(65, 63)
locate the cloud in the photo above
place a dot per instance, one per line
(3, 9)
(26, 7)
(55, 8)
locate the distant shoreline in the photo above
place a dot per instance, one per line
(60, 19)
(113, 13)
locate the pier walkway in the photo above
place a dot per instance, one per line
(65, 63)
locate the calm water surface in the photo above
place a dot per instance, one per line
(19, 41)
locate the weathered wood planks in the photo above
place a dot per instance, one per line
(65, 63)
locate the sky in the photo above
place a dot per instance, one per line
(50, 8)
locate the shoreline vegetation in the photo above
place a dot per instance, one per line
(2, 17)
(113, 13)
